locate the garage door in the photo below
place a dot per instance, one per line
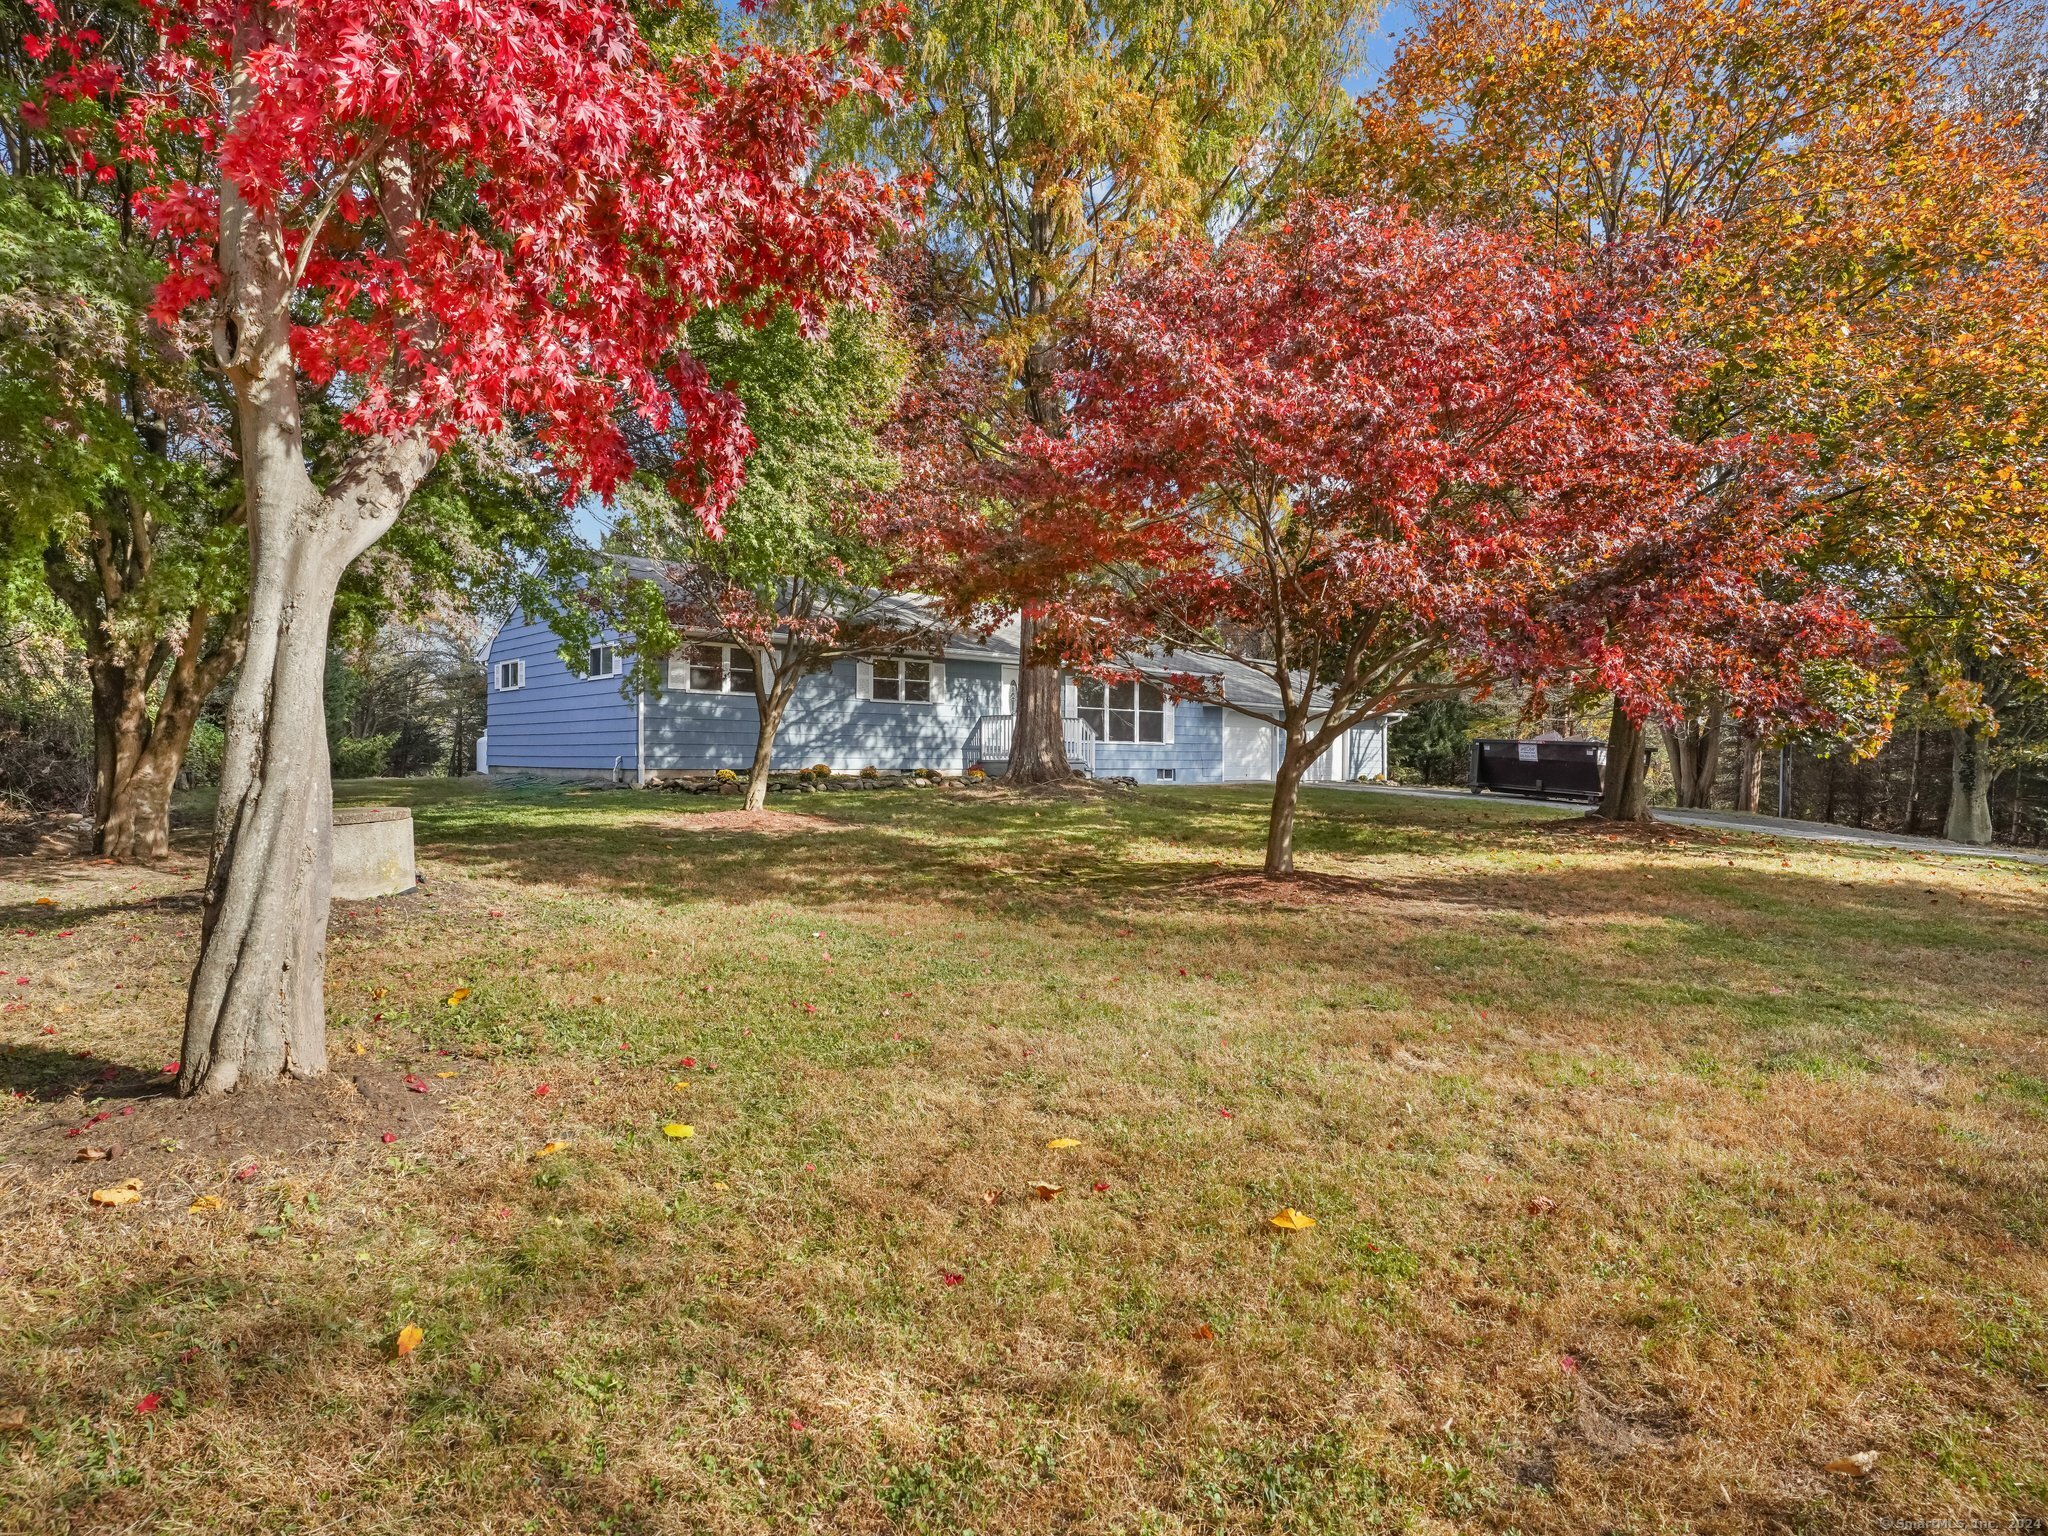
(1249, 748)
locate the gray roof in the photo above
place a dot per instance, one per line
(911, 611)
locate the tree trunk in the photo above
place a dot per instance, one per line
(1969, 801)
(1624, 789)
(770, 708)
(1749, 772)
(1038, 746)
(1294, 763)
(256, 1009)
(1913, 787)
(1695, 750)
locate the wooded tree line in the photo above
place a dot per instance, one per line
(1679, 361)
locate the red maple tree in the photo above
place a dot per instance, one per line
(1380, 459)
(452, 216)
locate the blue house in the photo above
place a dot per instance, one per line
(950, 710)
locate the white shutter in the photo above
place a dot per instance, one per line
(678, 673)
(1070, 699)
(1166, 719)
(938, 682)
(864, 679)
(1006, 692)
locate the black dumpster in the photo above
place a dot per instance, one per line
(1548, 770)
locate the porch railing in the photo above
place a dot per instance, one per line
(989, 743)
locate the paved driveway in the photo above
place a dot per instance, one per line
(1739, 821)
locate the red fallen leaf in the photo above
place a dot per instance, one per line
(795, 1422)
(810, 1007)
(951, 1279)
(497, 911)
(688, 1061)
(129, 1110)
(65, 933)
(1226, 1114)
(1568, 1365)
(414, 1084)
(542, 1091)
(49, 1029)
(1183, 970)
(149, 1403)
(171, 1068)
(246, 1174)
(389, 1137)
(1102, 1189)
(187, 1356)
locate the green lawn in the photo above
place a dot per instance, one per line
(1649, 1176)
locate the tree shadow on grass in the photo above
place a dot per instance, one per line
(44, 1075)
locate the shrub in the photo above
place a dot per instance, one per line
(1434, 744)
(821, 770)
(726, 776)
(976, 775)
(871, 772)
(203, 754)
(361, 757)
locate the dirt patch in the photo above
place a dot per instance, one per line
(125, 1122)
(766, 822)
(1301, 889)
(1623, 831)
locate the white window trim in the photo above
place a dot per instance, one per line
(498, 675)
(679, 669)
(611, 656)
(864, 681)
(1166, 711)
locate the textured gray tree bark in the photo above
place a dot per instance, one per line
(1695, 749)
(1294, 762)
(1749, 772)
(1969, 799)
(1624, 789)
(256, 1009)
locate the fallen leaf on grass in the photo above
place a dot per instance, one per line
(204, 1204)
(1058, 1143)
(13, 1421)
(409, 1339)
(1541, 1205)
(1862, 1464)
(45, 901)
(378, 994)
(552, 1148)
(681, 1082)
(950, 1278)
(991, 1196)
(92, 1154)
(447, 1074)
(455, 998)
(414, 1084)
(1290, 1220)
(1102, 1189)
(1047, 1191)
(390, 1137)
(1203, 1332)
(149, 1403)
(677, 1131)
(127, 1192)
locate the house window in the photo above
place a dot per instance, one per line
(511, 675)
(739, 669)
(1164, 773)
(707, 669)
(900, 681)
(713, 669)
(604, 662)
(1122, 711)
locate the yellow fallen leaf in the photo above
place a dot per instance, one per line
(552, 1148)
(359, 1050)
(44, 901)
(204, 1204)
(1058, 1143)
(455, 998)
(1291, 1220)
(718, 1183)
(1862, 1464)
(678, 1131)
(681, 1082)
(127, 1192)
(409, 1339)
(447, 1074)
